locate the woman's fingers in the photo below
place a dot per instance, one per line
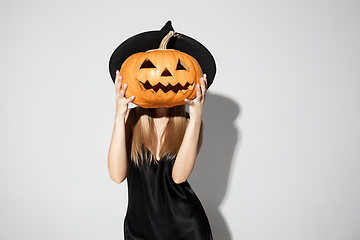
(203, 83)
(121, 101)
(118, 81)
(200, 91)
(122, 94)
(201, 88)
(123, 89)
(188, 101)
(130, 99)
(198, 96)
(120, 91)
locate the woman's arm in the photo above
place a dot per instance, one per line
(191, 144)
(118, 163)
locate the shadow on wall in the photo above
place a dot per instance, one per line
(211, 174)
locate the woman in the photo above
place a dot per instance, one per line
(156, 149)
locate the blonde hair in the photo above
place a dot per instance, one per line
(144, 138)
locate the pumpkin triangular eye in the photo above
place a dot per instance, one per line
(166, 73)
(147, 64)
(181, 65)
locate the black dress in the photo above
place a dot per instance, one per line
(160, 209)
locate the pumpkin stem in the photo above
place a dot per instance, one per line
(166, 39)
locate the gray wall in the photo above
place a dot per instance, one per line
(281, 153)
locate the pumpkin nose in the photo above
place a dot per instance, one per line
(166, 73)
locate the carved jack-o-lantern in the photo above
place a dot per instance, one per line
(161, 77)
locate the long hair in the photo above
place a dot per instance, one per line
(144, 137)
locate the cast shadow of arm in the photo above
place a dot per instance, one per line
(210, 176)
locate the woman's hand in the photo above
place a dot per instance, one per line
(190, 146)
(121, 101)
(196, 105)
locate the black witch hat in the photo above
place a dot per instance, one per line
(145, 41)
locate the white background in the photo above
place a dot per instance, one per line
(281, 155)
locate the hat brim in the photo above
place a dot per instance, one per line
(151, 40)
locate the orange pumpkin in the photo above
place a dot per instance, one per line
(161, 77)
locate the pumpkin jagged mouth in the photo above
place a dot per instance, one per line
(154, 89)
